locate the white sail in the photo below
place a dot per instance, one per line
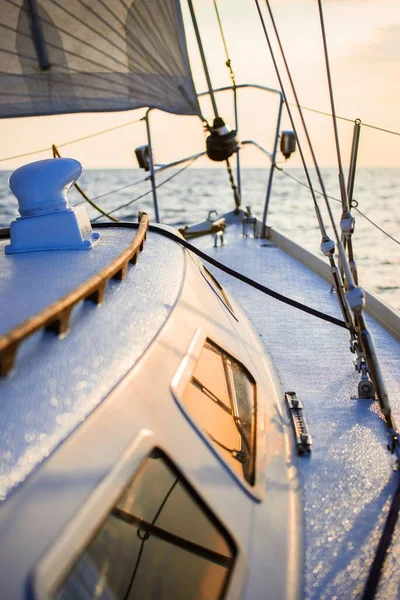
(93, 55)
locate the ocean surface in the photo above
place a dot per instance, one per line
(189, 195)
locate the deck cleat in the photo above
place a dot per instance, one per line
(46, 221)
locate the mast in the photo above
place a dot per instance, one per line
(203, 58)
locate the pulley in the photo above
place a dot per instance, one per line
(143, 157)
(288, 143)
(222, 141)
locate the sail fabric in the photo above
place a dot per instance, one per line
(93, 55)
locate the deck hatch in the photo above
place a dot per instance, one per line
(221, 399)
(159, 540)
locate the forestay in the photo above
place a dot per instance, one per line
(93, 55)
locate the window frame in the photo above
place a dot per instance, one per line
(54, 568)
(179, 384)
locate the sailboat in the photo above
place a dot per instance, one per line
(181, 416)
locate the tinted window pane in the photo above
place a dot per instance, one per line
(159, 542)
(221, 399)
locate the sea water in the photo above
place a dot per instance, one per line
(190, 195)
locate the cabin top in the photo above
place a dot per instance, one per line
(56, 382)
(187, 415)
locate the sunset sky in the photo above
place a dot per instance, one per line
(364, 43)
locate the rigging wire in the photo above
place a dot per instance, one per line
(327, 245)
(228, 58)
(347, 222)
(149, 191)
(236, 188)
(343, 191)
(314, 158)
(123, 187)
(368, 355)
(86, 137)
(127, 204)
(56, 154)
(362, 343)
(324, 234)
(302, 183)
(376, 225)
(81, 139)
(361, 340)
(328, 114)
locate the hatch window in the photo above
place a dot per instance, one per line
(159, 541)
(221, 399)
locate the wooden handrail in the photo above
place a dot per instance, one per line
(56, 316)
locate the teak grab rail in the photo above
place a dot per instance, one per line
(56, 317)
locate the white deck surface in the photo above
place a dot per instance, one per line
(43, 400)
(348, 480)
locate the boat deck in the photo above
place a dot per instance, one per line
(43, 399)
(348, 480)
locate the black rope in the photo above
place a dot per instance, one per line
(216, 263)
(383, 547)
(247, 280)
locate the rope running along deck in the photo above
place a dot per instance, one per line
(240, 276)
